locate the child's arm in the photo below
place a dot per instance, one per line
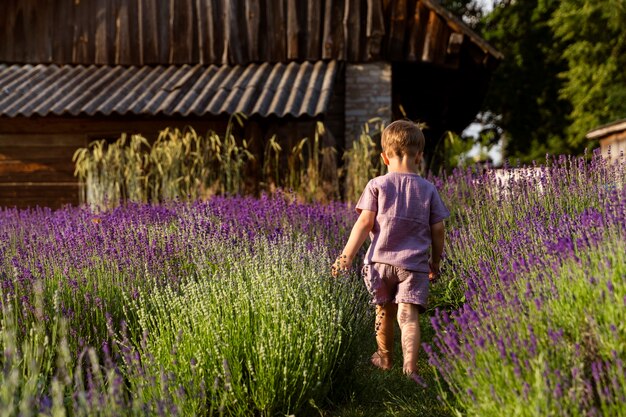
(359, 233)
(437, 234)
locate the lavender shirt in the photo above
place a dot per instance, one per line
(405, 205)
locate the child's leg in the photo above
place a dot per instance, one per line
(408, 319)
(385, 314)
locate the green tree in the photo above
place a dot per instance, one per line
(524, 94)
(594, 81)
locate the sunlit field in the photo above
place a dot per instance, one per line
(227, 306)
(540, 266)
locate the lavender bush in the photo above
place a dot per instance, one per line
(226, 306)
(260, 332)
(144, 289)
(541, 261)
(41, 377)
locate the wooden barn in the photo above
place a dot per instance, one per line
(72, 71)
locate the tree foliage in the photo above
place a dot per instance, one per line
(563, 72)
(525, 89)
(595, 81)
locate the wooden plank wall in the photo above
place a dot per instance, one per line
(36, 165)
(138, 32)
(37, 169)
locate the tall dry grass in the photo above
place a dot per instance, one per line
(183, 165)
(362, 160)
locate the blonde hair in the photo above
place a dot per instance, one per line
(403, 137)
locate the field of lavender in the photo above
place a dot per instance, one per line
(539, 263)
(227, 306)
(218, 307)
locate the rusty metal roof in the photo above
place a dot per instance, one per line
(296, 89)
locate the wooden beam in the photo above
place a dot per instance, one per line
(48, 141)
(101, 44)
(149, 31)
(212, 36)
(276, 31)
(453, 56)
(40, 18)
(417, 32)
(33, 173)
(293, 30)
(346, 30)
(253, 21)
(455, 42)
(163, 29)
(313, 28)
(34, 190)
(63, 32)
(91, 128)
(236, 43)
(430, 41)
(328, 44)
(375, 29)
(26, 153)
(459, 26)
(338, 33)
(181, 31)
(135, 43)
(123, 53)
(54, 203)
(397, 30)
(441, 42)
(355, 48)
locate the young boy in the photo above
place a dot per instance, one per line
(403, 214)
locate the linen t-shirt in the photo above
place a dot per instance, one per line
(405, 205)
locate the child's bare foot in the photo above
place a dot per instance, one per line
(381, 361)
(414, 376)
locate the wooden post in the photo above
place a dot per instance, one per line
(430, 41)
(313, 29)
(101, 43)
(253, 19)
(122, 41)
(397, 30)
(375, 29)
(417, 32)
(149, 31)
(327, 36)
(354, 37)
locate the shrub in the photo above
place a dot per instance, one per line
(542, 259)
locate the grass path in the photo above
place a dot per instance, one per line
(376, 393)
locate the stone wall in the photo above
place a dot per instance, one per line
(368, 95)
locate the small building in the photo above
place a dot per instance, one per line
(612, 138)
(72, 71)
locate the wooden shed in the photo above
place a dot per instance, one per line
(612, 137)
(72, 71)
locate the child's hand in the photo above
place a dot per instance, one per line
(434, 271)
(341, 264)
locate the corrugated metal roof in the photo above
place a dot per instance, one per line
(296, 89)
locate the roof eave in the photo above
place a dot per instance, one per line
(462, 27)
(607, 129)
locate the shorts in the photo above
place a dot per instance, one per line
(387, 283)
